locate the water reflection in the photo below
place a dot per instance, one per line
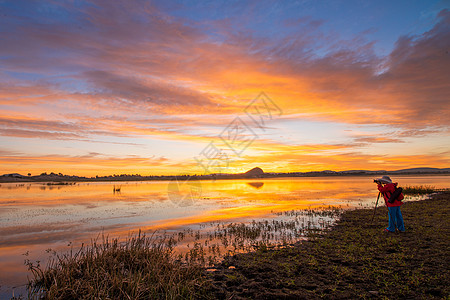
(256, 185)
(35, 217)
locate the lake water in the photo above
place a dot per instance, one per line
(35, 217)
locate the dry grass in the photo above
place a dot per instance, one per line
(418, 190)
(141, 267)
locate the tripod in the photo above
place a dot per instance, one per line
(379, 193)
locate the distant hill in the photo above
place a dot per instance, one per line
(255, 172)
(14, 175)
(354, 171)
(422, 170)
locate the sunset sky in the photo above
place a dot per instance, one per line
(109, 87)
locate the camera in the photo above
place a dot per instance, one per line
(376, 181)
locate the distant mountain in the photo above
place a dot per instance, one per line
(14, 175)
(422, 170)
(254, 172)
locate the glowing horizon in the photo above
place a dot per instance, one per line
(115, 87)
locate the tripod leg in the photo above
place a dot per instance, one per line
(379, 193)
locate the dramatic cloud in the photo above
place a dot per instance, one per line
(125, 70)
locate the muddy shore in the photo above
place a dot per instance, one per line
(354, 259)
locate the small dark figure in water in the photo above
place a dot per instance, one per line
(116, 190)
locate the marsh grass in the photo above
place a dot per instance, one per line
(166, 265)
(415, 190)
(210, 245)
(140, 267)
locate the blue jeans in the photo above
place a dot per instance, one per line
(395, 219)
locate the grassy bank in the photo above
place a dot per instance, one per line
(139, 268)
(354, 259)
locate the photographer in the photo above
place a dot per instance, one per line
(387, 189)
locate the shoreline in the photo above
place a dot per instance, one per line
(354, 259)
(61, 181)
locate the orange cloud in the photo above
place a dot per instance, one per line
(161, 77)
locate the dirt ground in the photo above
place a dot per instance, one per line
(354, 259)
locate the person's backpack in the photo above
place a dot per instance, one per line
(396, 195)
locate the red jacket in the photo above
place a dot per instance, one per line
(387, 191)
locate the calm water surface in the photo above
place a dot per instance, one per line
(35, 217)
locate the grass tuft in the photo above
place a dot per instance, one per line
(418, 189)
(141, 267)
